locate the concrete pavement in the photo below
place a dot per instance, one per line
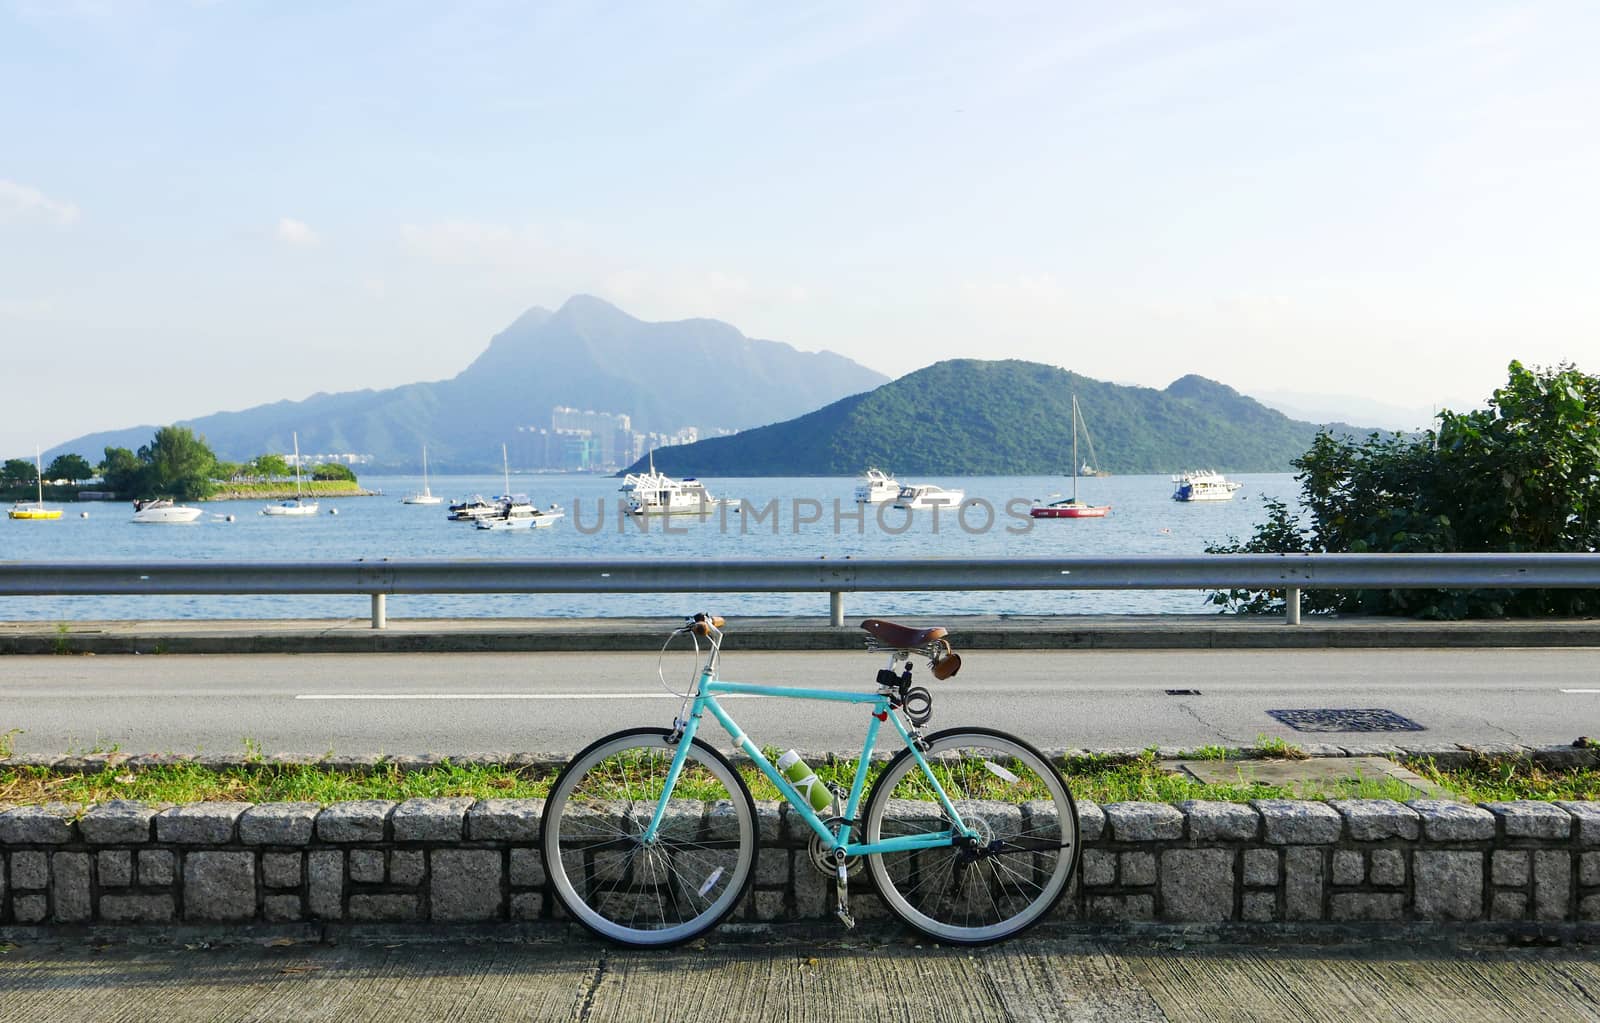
(878, 977)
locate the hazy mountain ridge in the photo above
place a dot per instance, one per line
(974, 417)
(588, 354)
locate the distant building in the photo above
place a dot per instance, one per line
(583, 440)
(343, 458)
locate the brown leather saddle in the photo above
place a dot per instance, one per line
(944, 661)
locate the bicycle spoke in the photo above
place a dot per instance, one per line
(686, 877)
(1011, 859)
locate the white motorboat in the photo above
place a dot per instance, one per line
(519, 513)
(161, 511)
(297, 505)
(656, 493)
(423, 496)
(875, 487)
(1203, 485)
(918, 496)
(473, 509)
(514, 511)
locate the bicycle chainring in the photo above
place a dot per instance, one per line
(822, 859)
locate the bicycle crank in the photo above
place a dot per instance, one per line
(823, 859)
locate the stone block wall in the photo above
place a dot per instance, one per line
(464, 861)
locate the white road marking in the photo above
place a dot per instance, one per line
(1588, 691)
(509, 696)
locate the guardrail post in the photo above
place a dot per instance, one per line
(1293, 605)
(836, 609)
(380, 616)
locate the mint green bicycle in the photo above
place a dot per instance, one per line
(970, 835)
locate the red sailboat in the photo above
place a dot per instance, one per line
(1072, 508)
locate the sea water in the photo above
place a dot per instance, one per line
(787, 518)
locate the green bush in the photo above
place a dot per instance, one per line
(1522, 475)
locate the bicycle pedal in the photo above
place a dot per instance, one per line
(846, 919)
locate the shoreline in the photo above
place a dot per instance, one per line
(273, 492)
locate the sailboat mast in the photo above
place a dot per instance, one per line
(296, 436)
(38, 465)
(505, 465)
(1074, 449)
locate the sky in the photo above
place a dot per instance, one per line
(211, 205)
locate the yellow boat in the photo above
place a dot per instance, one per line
(37, 510)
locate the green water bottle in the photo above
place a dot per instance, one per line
(806, 780)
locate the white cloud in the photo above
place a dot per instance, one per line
(19, 202)
(296, 232)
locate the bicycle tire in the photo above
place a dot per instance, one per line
(678, 887)
(1012, 795)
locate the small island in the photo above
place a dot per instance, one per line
(181, 465)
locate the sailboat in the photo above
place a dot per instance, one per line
(37, 510)
(516, 511)
(424, 496)
(1072, 508)
(298, 505)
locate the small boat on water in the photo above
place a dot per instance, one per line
(423, 496)
(297, 505)
(35, 510)
(517, 512)
(875, 487)
(656, 493)
(1071, 507)
(162, 511)
(921, 496)
(472, 509)
(1203, 485)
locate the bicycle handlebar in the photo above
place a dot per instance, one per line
(702, 624)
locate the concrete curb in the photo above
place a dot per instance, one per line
(1445, 755)
(976, 632)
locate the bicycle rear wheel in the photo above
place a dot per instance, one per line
(1012, 874)
(667, 891)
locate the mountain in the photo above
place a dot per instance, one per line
(972, 417)
(587, 354)
(1323, 408)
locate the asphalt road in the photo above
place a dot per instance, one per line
(555, 702)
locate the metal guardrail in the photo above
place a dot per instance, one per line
(834, 576)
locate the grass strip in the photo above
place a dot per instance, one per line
(1099, 779)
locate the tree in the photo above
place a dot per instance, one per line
(18, 471)
(69, 467)
(180, 463)
(1522, 475)
(269, 466)
(124, 473)
(332, 471)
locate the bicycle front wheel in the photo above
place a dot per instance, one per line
(1003, 880)
(670, 889)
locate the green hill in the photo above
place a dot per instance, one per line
(973, 417)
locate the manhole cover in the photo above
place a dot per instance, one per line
(1358, 719)
(1183, 692)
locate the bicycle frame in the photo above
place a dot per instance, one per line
(704, 698)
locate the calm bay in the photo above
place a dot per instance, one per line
(788, 518)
